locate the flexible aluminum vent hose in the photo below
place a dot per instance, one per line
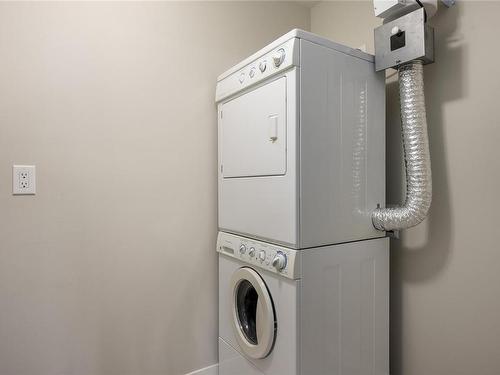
(416, 151)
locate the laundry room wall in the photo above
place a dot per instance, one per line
(111, 267)
(445, 278)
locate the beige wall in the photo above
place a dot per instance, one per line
(110, 268)
(347, 22)
(445, 302)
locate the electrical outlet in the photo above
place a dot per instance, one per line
(23, 179)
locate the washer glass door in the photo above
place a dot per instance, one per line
(254, 321)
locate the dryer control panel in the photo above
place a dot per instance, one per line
(258, 68)
(273, 258)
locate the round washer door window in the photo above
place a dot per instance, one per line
(254, 321)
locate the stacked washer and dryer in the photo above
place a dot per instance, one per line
(303, 274)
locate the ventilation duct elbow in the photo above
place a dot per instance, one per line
(416, 151)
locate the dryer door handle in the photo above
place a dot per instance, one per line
(273, 128)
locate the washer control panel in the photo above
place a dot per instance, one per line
(277, 259)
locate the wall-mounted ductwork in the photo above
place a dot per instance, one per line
(416, 151)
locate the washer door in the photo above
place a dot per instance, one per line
(254, 320)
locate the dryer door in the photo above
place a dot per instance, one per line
(254, 320)
(253, 132)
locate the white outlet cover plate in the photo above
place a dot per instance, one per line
(23, 179)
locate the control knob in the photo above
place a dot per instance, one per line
(251, 251)
(279, 57)
(279, 261)
(262, 66)
(243, 249)
(262, 255)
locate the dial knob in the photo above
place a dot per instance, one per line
(262, 255)
(243, 249)
(279, 261)
(262, 66)
(279, 57)
(251, 251)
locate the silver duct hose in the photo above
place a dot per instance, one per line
(417, 156)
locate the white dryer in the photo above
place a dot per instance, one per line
(319, 311)
(301, 128)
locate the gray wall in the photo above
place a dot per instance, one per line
(445, 304)
(111, 267)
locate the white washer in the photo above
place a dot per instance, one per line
(314, 312)
(301, 128)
